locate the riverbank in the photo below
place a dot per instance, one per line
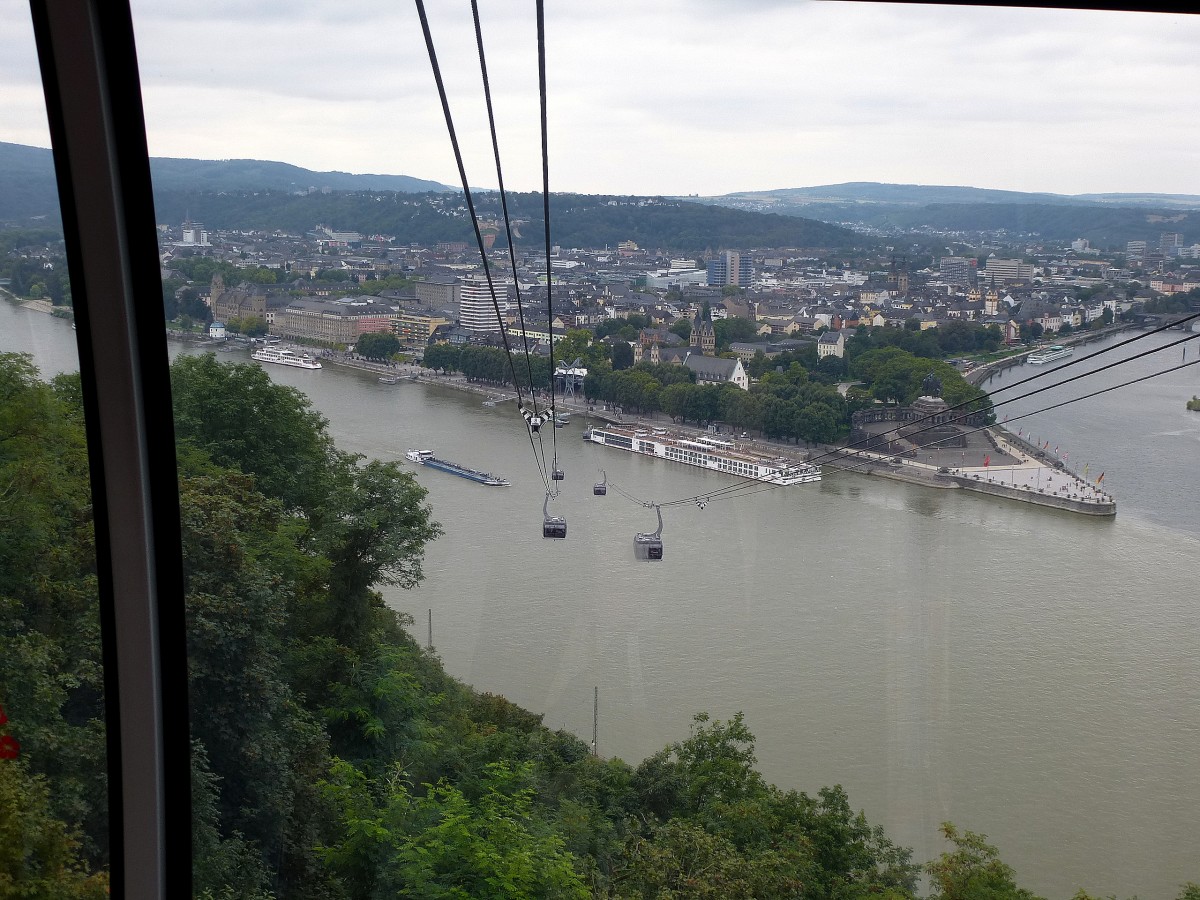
(1029, 479)
(978, 376)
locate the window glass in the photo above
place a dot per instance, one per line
(400, 685)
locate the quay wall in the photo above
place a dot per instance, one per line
(1023, 495)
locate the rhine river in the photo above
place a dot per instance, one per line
(1022, 672)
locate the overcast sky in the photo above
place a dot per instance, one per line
(668, 96)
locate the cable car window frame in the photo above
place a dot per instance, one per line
(92, 88)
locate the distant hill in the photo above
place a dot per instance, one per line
(1107, 220)
(259, 175)
(245, 193)
(28, 190)
(872, 192)
(899, 194)
(577, 220)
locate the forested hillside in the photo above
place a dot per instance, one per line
(576, 220)
(333, 757)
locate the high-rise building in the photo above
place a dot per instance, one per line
(730, 267)
(195, 235)
(1008, 269)
(1169, 243)
(476, 312)
(957, 270)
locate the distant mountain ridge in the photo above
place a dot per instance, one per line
(248, 193)
(28, 189)
(872, 192)
(254, 174)
(1106, 220)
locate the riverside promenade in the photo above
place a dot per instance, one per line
(1015, 469)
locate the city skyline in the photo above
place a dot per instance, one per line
(691, 97)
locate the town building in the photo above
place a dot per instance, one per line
(331, 322)
(831, 343)
(414, 329)
(715, 370)
(730, 268)
(438, 292)
(476, 309)
(704, 338)
(1008, 269)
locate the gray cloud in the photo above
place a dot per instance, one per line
(678, 96)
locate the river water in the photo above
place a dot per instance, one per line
(1026, 673)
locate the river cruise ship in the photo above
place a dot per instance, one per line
(1049, 355)
(705, 452)
(285, 357)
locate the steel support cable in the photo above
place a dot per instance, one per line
(745, 483)
(1083, 359)
(512, 257)
(462, 173)
(541, 42)
(982, 428)
(628, 496)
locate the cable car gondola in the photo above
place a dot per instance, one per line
(552, 526)
(649, 546)
(557, 475)
(600, 488)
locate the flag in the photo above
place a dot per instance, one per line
(1045, 445)
(1100, 479)
(1085, 468)
(987, 460)
(1066, 455)
(1056, 449)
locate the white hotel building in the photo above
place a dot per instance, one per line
(476, 312)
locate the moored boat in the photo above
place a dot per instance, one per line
(1049, 355)
(284, 356)
(705, 452)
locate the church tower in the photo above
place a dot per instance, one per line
(991, 300)
(704, 339)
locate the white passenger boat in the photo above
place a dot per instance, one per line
(705, 452)
(1049, 355)
(285, 357)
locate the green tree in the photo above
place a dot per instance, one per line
(50, 671)
(730, 330)
(380, 345)
(243, 420)
(972, 870)
(446, 845)
(683, 328)
(682, 860)
(673, 399)
(39, 856)
(622, 355)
